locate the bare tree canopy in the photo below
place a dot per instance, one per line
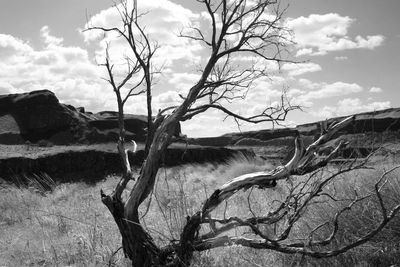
(236, 28)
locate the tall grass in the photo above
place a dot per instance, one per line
(384, 249)
(69, 226)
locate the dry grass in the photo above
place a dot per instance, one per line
(67, 227)
(71, 227)
(35, 151)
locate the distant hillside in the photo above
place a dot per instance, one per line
(377, 122)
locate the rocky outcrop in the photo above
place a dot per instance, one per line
(105, 127)
(377, 121)
(38, 115)
(93, 165)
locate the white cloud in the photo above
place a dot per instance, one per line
(184, 78)
(308, 84)
(182, 81)
(200, 126)
(265, 90)
(375, 90)
(166, 99)
(304, 51)
(333, 89)
(320, 34)
(294, 69)
(341, 58)
(163, 22)
(310, 91)
(66, 70)
(49, 39)
(6, 88)
(349, 106)
(11, 47)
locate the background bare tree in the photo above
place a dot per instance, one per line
(238, 27)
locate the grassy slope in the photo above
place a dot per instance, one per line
(70, 226)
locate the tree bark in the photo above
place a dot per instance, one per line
(138, 245)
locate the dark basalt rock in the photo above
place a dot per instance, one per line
(38, 115)
(135, 127)
(377, 121)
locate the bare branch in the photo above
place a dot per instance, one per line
(300, 164)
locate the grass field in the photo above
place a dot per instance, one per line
(69, 226)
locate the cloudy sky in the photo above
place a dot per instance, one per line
(350, 50)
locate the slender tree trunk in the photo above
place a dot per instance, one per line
(121, 123)
(150, 126)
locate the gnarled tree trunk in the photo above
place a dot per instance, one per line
(138, 245)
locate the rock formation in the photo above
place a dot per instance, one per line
(38, 115)
(377, 121)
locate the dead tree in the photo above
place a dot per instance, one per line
(139, 70)
(239, 27)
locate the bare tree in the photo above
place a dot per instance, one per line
(137, 66)
(238, 27)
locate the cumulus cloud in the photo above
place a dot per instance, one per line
(320, 34)
(349, 106)
(182, 81)
(265, 90)
(294, 69)
(163, 22)
(310, 91)
(48, 39)
(66, 70)
(11, 47)
(375, 90)
(200, 126)
(334, 89)
(6, 88)
(341, 58)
